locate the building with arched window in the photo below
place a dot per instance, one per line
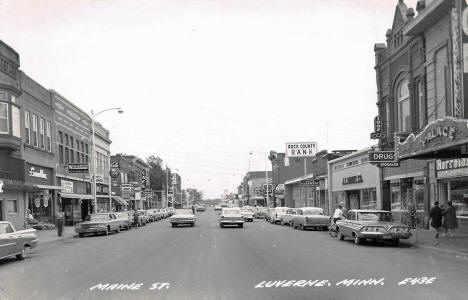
(422, 88)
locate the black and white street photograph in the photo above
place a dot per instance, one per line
(234, 149)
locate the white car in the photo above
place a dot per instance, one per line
(183, 217)
(287, 218)
(276, 214)
(247, 213)
(231, 216)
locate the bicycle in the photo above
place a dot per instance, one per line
(333, 229)
(414, 221)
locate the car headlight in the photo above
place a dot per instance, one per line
(77, 226)
(372, 229)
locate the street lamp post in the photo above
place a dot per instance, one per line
(93, 150)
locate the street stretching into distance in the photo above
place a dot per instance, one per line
(209, 262)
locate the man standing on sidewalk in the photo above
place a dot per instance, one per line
(450, 218)
(60, 223)
(436, 219)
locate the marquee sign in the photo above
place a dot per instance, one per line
(437, 135)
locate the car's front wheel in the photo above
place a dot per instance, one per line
(221, 225)
(357, 240)
(396, 242)
(81, 235)
(22, 255)
(241, 225)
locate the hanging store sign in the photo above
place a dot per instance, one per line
(309, 182)
(456, 167)
(37, 173)
(381, 156)
(114, 172)
(378, 131)
(301, 149)
(78, 168)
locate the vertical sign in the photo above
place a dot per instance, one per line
(460, 15)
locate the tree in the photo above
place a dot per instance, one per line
(158, 173)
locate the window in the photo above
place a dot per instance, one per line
(49, 139)
(66, 139)
(83, 158)
(66, 156)
(34, 129)
(4, 118)
(61, 137)
(12, 206)
(15, 121)
(72, 143)
(42, 133)
(404, 121)
(86, 147)
(387, 117)
(61, 154)
(27, 127)
(441, 76)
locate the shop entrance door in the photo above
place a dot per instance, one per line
(354, 199)
(84, 209)
(443, 192)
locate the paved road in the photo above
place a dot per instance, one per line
(207, 262)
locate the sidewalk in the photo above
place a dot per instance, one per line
(46, 236)
(456, 245)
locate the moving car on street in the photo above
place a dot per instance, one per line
(183, 217)
(276, 214)
(15, 243)
(247, 213)
(373, 225)
(125, 218)
(231, 216)
(200, 208)
(217, 207)
(98, 223)
(287, 218)
(310, 217)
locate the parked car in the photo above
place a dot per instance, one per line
(287, 218)
(144, 216)
(231, 216)
(276, 213)
(152, 215)
(260, 213)
(126, 219)
(183, 217)
(217, 207)
(373, 225)
(98, 223)
(310, 217)
(200, 208)
(247, 213)
(15, 243)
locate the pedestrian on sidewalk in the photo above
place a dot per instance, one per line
(60, 223)
(450, 219)
(436, 219)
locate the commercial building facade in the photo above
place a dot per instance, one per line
(353, 182)
(422, 82)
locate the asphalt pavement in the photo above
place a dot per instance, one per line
(259, 261)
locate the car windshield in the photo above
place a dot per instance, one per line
(97, 217)
(5, 228)
(375, 216)
(183, 212)
(231, 211)
(313, 212)
(246, 210)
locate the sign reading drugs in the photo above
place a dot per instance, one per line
(302, 149)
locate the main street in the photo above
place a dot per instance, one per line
(208, 262)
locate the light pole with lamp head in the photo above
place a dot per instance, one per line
(93, 150)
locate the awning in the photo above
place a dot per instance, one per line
(49, 187)
(298, 179)
(119, 200)
(76, 196)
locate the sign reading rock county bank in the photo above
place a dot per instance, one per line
(301, 149)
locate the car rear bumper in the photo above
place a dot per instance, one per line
(233, 222)
(384, 236)
(90, 229)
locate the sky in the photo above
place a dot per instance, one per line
(203, 83)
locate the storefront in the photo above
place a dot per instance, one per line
(41, 199)
(452, 185)
(75, 200)
(353, 182)
(300, 191)
(443, 146)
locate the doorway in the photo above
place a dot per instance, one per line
(354, 199)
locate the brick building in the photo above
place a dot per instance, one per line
(422, 83)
